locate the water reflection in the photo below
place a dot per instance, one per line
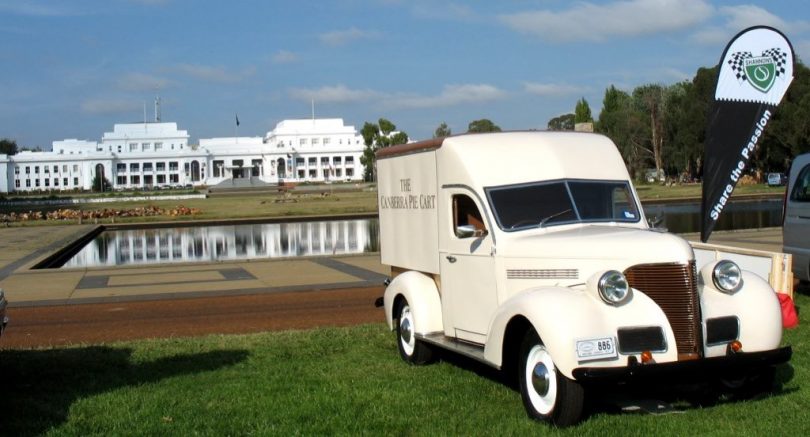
(750, 214)
(233, 242)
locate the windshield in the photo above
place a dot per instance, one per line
(542, 204)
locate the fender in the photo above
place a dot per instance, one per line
(561, 316)
(756, 306)
(422, 295)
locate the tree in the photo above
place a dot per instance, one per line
(563, 122)
(377, 136)
(582, 112)
(100, 184)
(442, 131)
(483, 125)
(652, 99)
(8, 147)
(623, 123)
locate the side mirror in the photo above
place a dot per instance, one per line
(467, 231)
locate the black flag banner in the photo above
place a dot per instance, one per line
(755, 72)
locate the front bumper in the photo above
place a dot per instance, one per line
(693, 370)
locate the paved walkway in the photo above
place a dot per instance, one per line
(22, 247)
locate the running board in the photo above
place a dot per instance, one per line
(469, 350)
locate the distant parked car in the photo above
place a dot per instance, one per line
(776, 179)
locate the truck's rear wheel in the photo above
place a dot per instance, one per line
(547, 394)
(411, 350)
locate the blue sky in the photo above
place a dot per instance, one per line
(71, 69)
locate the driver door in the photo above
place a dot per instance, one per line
(469, 294)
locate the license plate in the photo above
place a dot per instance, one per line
(596, 348)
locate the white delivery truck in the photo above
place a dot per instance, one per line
(529, 251)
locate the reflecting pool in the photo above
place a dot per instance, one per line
(230, 242)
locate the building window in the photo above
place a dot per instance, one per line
(121, 167)
(218, 173)
(147, 166)
(161, 179)
(349, 172)
(75, 182)
(336, 160)
(315, 141)
(256, 167)
(36, 170)
(76, 169)
(312, 161)
(17, 183)
(313, 174)
(16, 169)
(135, 180)
(64, 181)
(326, 141)
(47, 182)
(146, 146)
(64, 168)
(302, 142)
(147, 180)
(36, 182)
(350, 160)
(299, 162)
(173, 166)
(119, 148)
(338, 173)
(121, 180)
(158, 146)
(46, 169)
(161, 166)
(324, 161)
(56, 182)
(28, 183)
(134, 166)
(174, 178)
(133, 147)
(27, 170)
(56, 169)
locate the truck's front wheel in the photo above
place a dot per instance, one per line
(410, 349)
(547, 394)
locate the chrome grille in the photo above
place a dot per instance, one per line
(542, 274)
(674, 288)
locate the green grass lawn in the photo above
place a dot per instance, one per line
(345, 381)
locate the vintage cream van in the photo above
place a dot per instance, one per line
(796, 227)
(530, 252)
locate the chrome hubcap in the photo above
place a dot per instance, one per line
(405, 329)
(540, 379)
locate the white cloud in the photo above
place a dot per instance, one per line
(110, 106)
(740, 17)
(214, 73)
(599, 22)
(334, 94)
(451, 95)
(142, 82)
(553, 89)
(284, 57)
(343, 37)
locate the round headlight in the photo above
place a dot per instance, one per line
(727, 276)
(613, 287)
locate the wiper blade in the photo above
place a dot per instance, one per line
(542, 222)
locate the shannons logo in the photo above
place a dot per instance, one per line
(760, 71)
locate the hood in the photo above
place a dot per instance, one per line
(598, 242)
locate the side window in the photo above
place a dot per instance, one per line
(801, 190)
(467, 220)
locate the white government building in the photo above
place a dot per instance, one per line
(157, 154)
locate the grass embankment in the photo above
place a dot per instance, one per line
(346, 381)
(312, 202)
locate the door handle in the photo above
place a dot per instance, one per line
(451, 258)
